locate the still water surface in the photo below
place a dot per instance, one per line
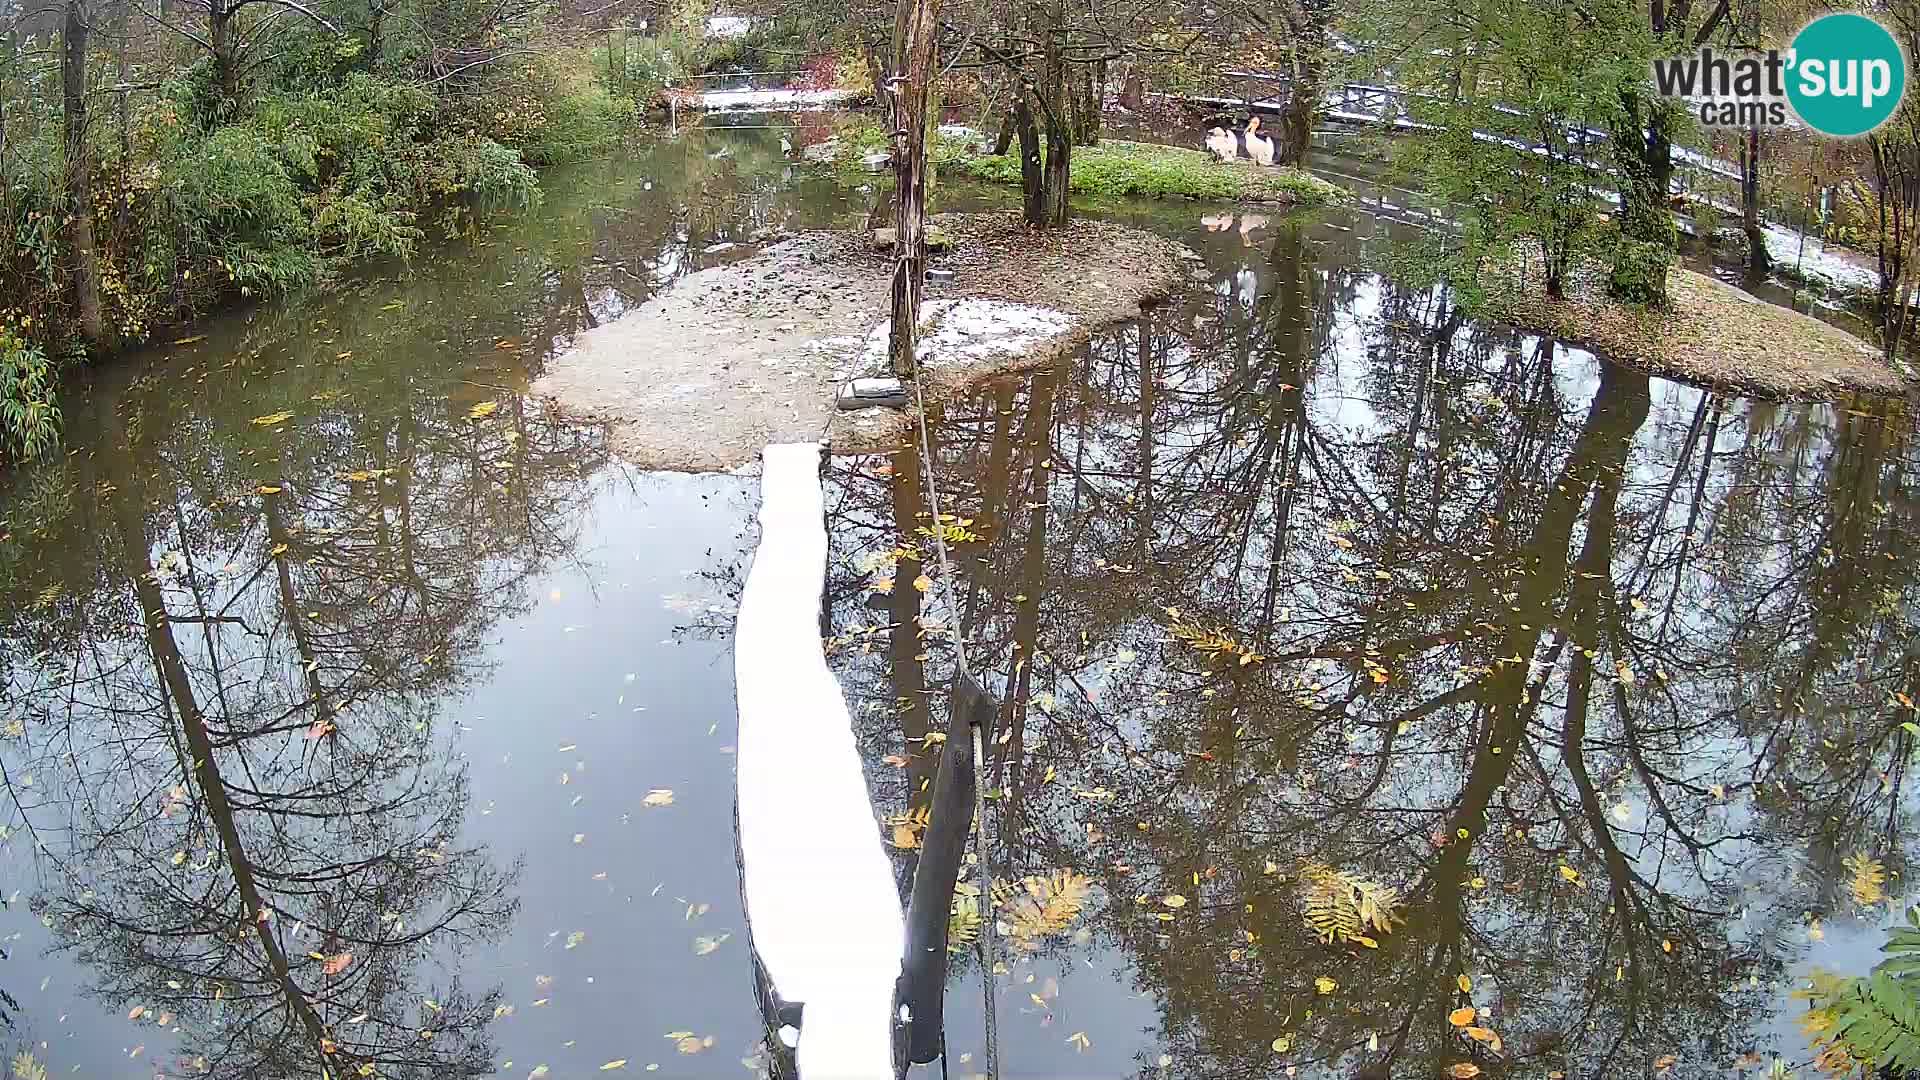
(1599, 672)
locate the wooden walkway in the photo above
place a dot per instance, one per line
(1377, 106)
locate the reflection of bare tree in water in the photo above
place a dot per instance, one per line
(249, 809)
(1513, 616)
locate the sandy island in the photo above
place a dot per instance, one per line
(729, 359)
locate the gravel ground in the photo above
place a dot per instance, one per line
(1714, 335)
(702, 376)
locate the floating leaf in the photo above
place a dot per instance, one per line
(1042, 906)
(1325, 985)
(1868, 877)
(1569, 873)
(335, 964)
(482, 410)
(138, 1012)
(658, 797)
(272, 418)
(616, 1063)
(1341, 907)
(1175, 901)
(1462, 1016)
(1465, 984)
(575, 939)
(1465, 1070)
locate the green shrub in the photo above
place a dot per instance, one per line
(29, 416)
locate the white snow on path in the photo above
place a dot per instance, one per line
(1815, 263)
(822, 909)
(775, 100)
(961, 332)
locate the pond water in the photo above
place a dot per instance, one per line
(320, 627)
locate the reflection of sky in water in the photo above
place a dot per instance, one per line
(608, 664)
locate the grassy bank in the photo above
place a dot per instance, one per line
(1129, 168)
(1112, 168)
(1710, 334)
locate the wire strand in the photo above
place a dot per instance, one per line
(988, 1008)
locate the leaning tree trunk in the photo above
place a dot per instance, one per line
(73, 85)
(914, 55)
(1295, 130)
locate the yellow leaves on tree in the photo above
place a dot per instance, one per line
(1042, 905)
(1341, 907)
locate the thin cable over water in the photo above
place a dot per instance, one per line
(979, 741)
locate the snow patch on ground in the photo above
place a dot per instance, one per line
(962, 332)
(720, 100)
(1816, 263)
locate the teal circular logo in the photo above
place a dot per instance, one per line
(1845, 75)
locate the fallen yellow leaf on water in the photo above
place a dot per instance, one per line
(923, 583)
(1175, 901)
(334, 965)
(1282, 1044)
(659, 797)
(179, 857)
(1569, 873)
(1462, 1016)
(138, 1012)
(1480, 1034)
(272, 418)
(1465, 1070)
(1664, 1062)
(267, 489)
(616, 1063)
(1465, 984)
(905, 838)
(1325, 985)
(482, 410)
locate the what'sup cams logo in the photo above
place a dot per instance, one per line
(1843, 76)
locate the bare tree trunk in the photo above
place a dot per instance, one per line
(1053, 107)
(1031, 182)
(915, 30)
(377, 34)
(1088, 95)
(226, 58)
(73, 86)
(1758, 260)
(1295, 130)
